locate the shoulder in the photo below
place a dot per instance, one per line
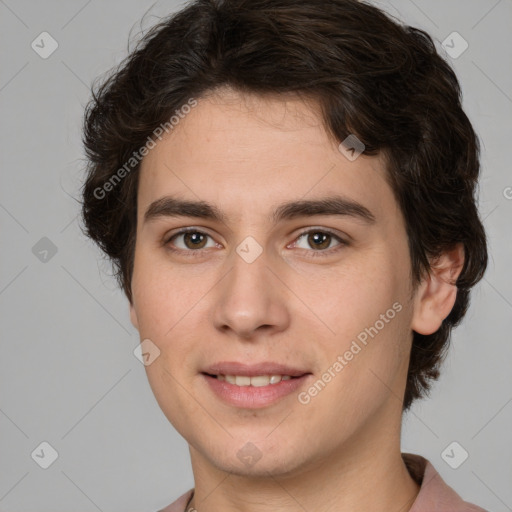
(435, 494)
(179, 504)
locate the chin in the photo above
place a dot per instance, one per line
(277, 465)
(258, 458)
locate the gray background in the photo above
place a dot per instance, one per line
(68, 373)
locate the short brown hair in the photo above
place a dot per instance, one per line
(372, 77)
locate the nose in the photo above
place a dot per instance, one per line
(251, 299)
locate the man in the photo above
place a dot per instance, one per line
(287, 191)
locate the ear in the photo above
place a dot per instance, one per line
(436, 294)
(133, 317)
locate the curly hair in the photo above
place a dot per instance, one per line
(371, 75)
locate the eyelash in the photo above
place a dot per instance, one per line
(315, 254)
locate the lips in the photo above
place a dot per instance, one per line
(228, 380)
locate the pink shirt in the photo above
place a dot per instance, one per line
(434, 496)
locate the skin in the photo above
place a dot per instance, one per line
(247, 154)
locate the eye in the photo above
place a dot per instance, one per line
(189, 240)
(320, 240)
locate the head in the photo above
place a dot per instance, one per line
(241, 106)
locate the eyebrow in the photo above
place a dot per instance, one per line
(170, 206)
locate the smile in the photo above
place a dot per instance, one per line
(253, 392)
(256, 381)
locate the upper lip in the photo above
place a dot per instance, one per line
(251, 370)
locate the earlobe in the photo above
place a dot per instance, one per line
(436, 294)
(133, 317)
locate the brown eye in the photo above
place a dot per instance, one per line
(189, 240)
(194, 240)
(318, 242)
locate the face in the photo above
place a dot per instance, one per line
(322, 293)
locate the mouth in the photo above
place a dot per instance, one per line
(253, 386)
(255, 381)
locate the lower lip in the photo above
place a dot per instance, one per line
(251, 397)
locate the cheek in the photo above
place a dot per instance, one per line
(169, 307)
(366, 309)
(352, 299)
(357, 378)
(163, 294)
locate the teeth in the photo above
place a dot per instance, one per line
(256, 381)
(243, 381)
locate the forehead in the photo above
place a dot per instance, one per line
(248, 154)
